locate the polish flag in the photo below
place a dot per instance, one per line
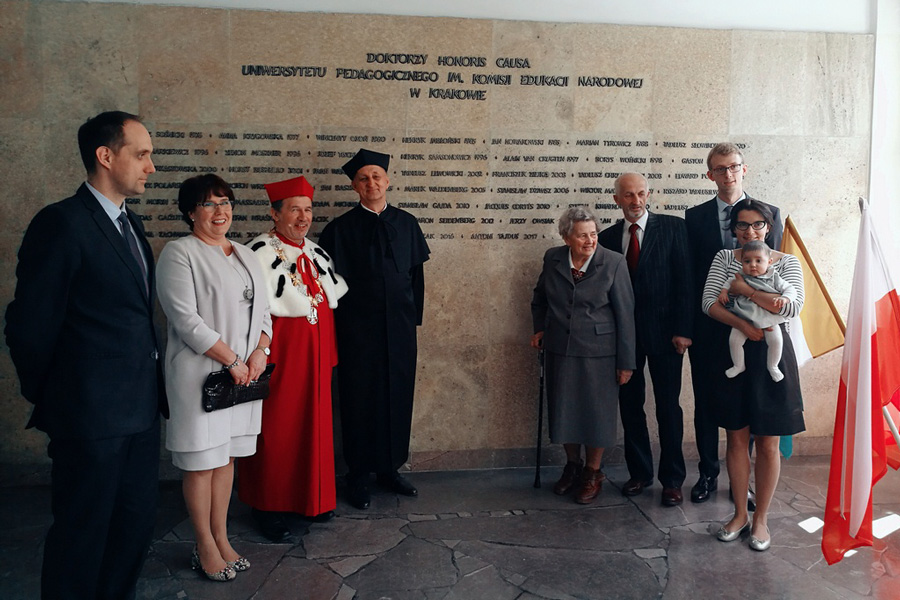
(870, 380)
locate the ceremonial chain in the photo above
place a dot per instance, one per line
(314, 300)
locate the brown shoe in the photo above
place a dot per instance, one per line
(570, 476)
(672, 496)
(634, 487)
(589, 486)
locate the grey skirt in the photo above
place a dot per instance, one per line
(582, 399)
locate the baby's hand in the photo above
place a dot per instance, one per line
(780, 302)
(723, 297)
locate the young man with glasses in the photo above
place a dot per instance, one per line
(708, 227)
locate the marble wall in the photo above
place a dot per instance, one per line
(494, 127)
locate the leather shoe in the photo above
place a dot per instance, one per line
(751, 499)
(398, 484)
(358, 493)
(672, 496)
(634, 487)
(704, 486)
(570, 476)
(271, 525)
(319, 518)
(590, 485)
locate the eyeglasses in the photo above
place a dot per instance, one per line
(730, 168)
(210, 205)
(744, 226)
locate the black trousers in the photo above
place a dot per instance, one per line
(709, 359)
(104, 495)
(665, 373)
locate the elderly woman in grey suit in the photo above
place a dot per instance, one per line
(213, 294)
(583, 314)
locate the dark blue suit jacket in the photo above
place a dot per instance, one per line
(662, 282)
(80, 329)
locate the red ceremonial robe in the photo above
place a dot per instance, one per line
(293, 468)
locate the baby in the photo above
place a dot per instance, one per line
(756, 263)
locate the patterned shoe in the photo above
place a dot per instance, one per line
(226, 574)
(241, 564)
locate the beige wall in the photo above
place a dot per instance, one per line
(799, 102)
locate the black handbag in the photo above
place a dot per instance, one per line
(219, 390)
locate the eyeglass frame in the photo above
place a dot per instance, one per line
(744, 226)
(730, 168)
(210, 205)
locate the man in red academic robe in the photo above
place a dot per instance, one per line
(293, 468)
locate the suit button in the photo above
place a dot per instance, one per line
(154, 355)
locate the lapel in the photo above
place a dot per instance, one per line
(257, 286)
(562, 265)
(710, 224)
(651, 237)
(596, 263)
(111, 234)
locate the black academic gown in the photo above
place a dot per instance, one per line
(381, 258)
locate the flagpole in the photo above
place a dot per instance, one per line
(891, 425)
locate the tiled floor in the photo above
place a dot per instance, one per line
(491, 535)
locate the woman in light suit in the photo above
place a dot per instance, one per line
(583, 315)
(213, 294)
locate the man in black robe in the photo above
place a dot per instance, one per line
(380, 250)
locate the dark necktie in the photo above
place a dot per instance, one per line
(634, 249)
(577, 275)
(729, 236)
(132, 245)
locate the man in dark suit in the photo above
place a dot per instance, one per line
(81, 334)
(655, 248)
(708, 232)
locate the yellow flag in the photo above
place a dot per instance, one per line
(823, 327)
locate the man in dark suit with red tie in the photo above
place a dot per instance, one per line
(81, 334)
(708, 232)
(655, 248)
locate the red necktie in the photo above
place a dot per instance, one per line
(634, 249)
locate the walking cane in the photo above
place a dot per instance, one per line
(540, 427)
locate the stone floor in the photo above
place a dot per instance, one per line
(491, 535)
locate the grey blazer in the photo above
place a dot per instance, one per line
(190, 275)
(594, 318)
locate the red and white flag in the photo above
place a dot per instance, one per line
(870, 379)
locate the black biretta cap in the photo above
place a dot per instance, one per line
(364, 158)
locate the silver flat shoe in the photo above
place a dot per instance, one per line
(241, 564)
(729, 536)
(226, 574)
(760, 545)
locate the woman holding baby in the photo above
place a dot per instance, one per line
(759, 394)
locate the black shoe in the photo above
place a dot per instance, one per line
(397, 484)
(271, 525)
(704, 486)
(751, 499)
(319, 518)
(358, 493)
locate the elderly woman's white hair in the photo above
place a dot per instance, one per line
(573, 215)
